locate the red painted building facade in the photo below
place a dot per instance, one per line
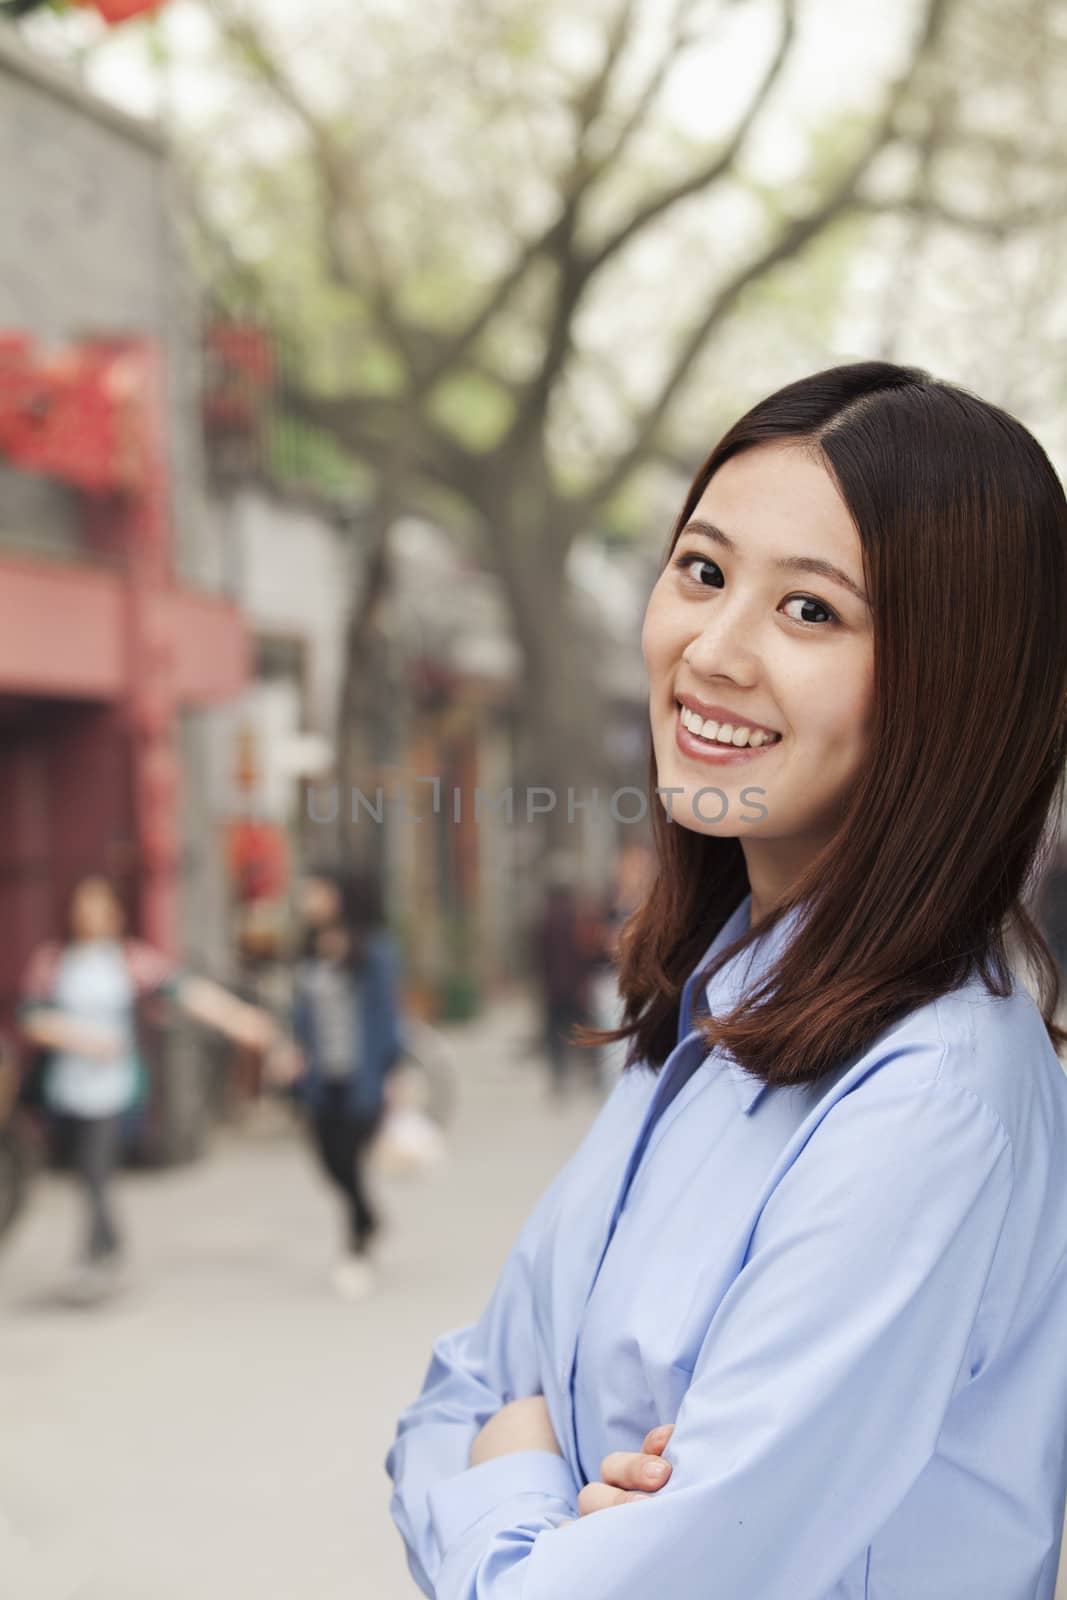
(113, 632)
(97, 658)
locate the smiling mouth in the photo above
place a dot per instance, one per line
(722, 737)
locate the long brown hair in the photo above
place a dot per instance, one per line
(963, 527)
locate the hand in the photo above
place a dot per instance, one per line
(284, 1063)
(624, 1475)
(520, 1425)
(98, 1042)
(253, 1028)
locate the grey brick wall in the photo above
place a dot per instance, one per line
(88, 245)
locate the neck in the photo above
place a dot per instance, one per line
(774, 867)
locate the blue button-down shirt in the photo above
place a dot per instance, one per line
(850, 1298)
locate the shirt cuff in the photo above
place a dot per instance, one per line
(456, 1503)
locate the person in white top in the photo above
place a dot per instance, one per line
(78, 1004)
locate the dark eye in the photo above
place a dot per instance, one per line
(684, 562)
(809, 600)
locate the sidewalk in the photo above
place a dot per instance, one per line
(220, 1434)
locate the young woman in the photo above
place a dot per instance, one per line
(817, 1235)
(346, 1021)
(79, 999)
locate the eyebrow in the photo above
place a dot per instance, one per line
(814, 564)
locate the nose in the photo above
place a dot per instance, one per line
(724, 647)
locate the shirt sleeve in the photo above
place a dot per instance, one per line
(37, 980)
(152, 971)
(473, 1372)
(822, 1383)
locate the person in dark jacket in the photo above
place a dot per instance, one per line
(346, 1021)
(565, 951)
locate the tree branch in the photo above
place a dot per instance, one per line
(790, 241)
(576, 270)
(588, 103)
(711, 171)
(233, 270)
(343, 192)
(900, 290)
(554, 240)
(931, 209)
(678, 39)
(369, 425)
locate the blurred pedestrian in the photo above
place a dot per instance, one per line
(80, 999)
(633, 867)
(265, 979)
(346, 1021)
(564, 956)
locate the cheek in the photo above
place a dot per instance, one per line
(648, 641)
(861, 701)
(846, 726)
(659, 633)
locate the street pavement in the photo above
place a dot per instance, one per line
(219, 1432)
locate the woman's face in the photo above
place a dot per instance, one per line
(320, 902)
(94, 911)
(745, 641)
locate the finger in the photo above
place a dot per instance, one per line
(634, 1469)
(597, 1496)
(656, 1438)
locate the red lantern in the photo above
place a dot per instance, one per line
(244, 349)
(258, 859)
(240, 372)
(83, 415)
(117, 11)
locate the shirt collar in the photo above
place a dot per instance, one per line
(723, 991)
(749, 1089)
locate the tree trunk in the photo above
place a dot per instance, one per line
(361, 692)
(560, 705)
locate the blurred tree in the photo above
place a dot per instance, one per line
(466, 250)
(974, 252)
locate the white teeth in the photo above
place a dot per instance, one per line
(726, 732)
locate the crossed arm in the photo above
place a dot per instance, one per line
(624, 1474)
(848, 1327)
